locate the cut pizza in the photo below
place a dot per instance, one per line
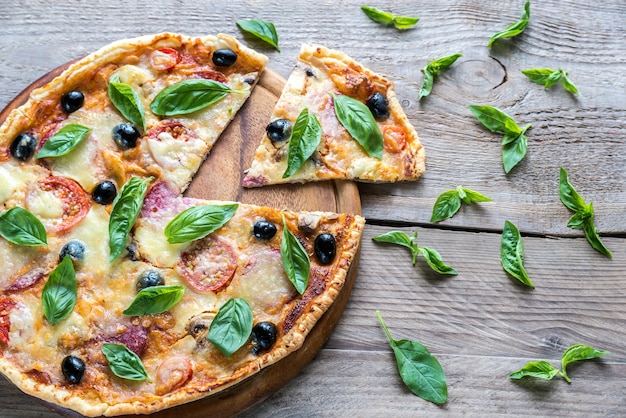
(336, 119)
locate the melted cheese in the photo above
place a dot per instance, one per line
(93, 232)
(179, 159)
(154, 246)
(44, 204)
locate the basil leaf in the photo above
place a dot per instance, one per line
(198, 222)
(427, 84)
(420, 371)
(360, 123)
(470, 196)
(569, 196)
(58, 297)
(591, 233)
(567, 84)
(232, 326)
(21, 227)
(261, 29)
(64, 140)
(513, 152)
(188, 96)
(541, 369)
(539, 75)
(512, 254)
(513, 29)
(434, 260)
(495, 120)
(124, 363)
(127, 102)
(432, 70)
(154, 300)
(578, 352)
(386, 18)
(400, 238)
(578, 219)
(295, 260)
(305, 137)
(447, 204)
(126, 208)
(405, 22)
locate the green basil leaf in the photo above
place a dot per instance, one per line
(127, 102)
(553, 78)
(377, 15)
(591, 233)
(232, 326)
(124, 363)
(578, 352)
(400, 238)
(188, 96)
(64, 140)
(21, 227)
(261, 29)
(427, 84)
(541, 369)
(154, 300)
(434, 260)
(126, 208)
(470, 196)
(360, 123)
(198, 222)
(419, 369)
(578, 219)
(514, 152)
(295, 260)
(495, 120)
(569, 196)
(447, 204)
(405, 22)
(432, 70)
(305, 137)
(512, 254)
(58, 297)
(513, 29)
(568, 85)
(539, 75)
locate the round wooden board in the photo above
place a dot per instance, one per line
(220, 178)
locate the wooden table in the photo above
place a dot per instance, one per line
(481, 324)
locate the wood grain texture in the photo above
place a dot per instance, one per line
(481, 324)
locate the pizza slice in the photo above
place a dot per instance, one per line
(336, 119)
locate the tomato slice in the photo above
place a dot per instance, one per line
(164, 59)
(209, 265)
(75, 201)
(6, 305)
(394, 138)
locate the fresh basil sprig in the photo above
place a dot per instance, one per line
(449, 202)
(198, 222)
(188, 96)
(547, 77)
(126, 100)
(58, 297)
(584, 215)
(154, 300)
(432, 257)
(386, 18)
(21, 227)
(64, 140)
(305, 137)
(232, 326)
(262, 29)
(512, 253)
(296, 261)
(420, 371)
(360, 123)
(124, 363)
(513, 29)
(514, 142)
(544, 370)
(432, 71)
(126, 208)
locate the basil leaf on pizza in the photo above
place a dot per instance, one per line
(21, 227)
(126, 100)
(296, 261)
(305, 138)
(360, 123)
(198, 222)
(64, 140)
(188, 96)
(126, 208)
(58, 296)
(154, 300)
(232, 326)
(262, 29)
(124, 363)
(512, 254)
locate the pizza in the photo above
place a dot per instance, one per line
(336, 119)
(120, 295)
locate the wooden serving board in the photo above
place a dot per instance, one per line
(220, 178)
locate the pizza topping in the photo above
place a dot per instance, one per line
(379, 106)
(149, 278)
(231, 326)
(308, 222)
(73, 369)
(188, 96)
(72, 101)
(224, 57)
(264, 229)
(172, 374)
(104, 192)
(63, 141)
(325, 248)
(279, 130)
(198, 221)
(74, 201)
(21, 227)
(124, 363)
(263, 337)
(164, 59)
(395, 138)
(134, 337)
(208, 265)
(75, 249)
(58, 297)
(125, 135)
(360, 123)
(155, 300)
(6, 305)
(26, 280)
(126, 101)
(295, 260)
(23, 146)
